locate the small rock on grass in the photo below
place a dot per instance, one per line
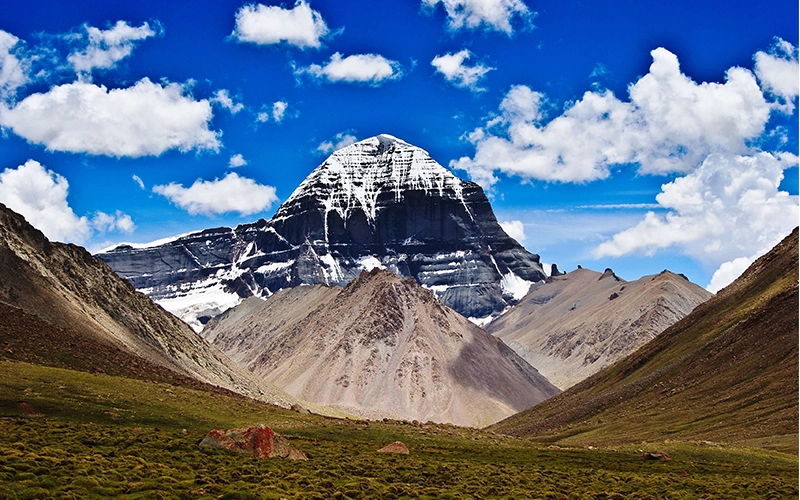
(656, 455)
(396, 447)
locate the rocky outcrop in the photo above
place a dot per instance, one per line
(259, 441)
(381, 347)
(580, 322)
(64, 286)
(378, 203)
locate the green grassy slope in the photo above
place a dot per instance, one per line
(69, 434)
(727, 372)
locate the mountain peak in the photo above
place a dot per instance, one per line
(354, 177)
(386, 140)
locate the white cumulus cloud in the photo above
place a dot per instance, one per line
(493, 15)
(229, 194)
(40, 195)
(370, 69)
(237, 161)
(515, 229)
(299, 26)
(145, 119)
(670, 124)
(728, 272)
(723, 209)
(455, 71)
(279, 110)
(118, 221)
(339, 141)
(107, 47)
(223, 99)
(777, 71)
(13, 71)
(729, 208)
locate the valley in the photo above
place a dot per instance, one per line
(104, 393)
(427, 249)
(99, 436)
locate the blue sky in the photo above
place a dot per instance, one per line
(625, 134)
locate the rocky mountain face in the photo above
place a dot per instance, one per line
(727, 372)
(380, 347)
(575, 324)
(378, 203)
(64, 286)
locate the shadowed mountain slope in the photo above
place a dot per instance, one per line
(28, 338)
(726, 372)
(64, 286)
(576, 324)
(380, 347)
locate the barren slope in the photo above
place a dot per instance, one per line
(380, 347)
(727, 372)
(69, 289)
(576, 324)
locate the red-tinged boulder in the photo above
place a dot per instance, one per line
(396, 447)
(260, 441)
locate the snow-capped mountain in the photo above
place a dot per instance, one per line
(380, 202)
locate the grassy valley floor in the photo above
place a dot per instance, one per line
(69, 434)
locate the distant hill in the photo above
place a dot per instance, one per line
(380, 347)
(576, 324)
(64, 307)
(727, 372)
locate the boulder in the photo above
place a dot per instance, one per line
(260, 441)
(657, 455)
(396, 447)
(299, 409)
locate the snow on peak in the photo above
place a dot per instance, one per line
(354, 176)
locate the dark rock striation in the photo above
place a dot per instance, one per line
(378, 203)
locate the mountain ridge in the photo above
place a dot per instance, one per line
(577, 323)
(726, 372)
